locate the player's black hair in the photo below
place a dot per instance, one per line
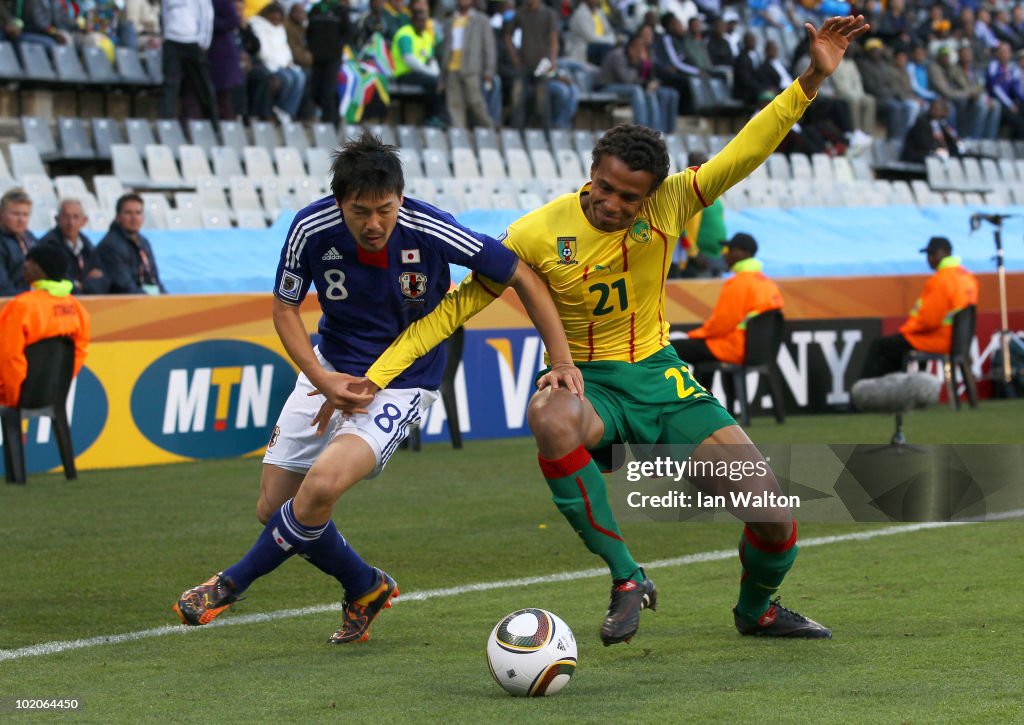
(639, 147)
(366, 167)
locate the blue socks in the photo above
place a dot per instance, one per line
(322, 545)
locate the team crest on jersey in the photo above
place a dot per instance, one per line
(640, 231)
(566, 247)
(413, 284)
(274, 436)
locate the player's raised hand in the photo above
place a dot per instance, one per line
(829, 43)
(563, 374)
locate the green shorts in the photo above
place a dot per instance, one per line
(655, 400)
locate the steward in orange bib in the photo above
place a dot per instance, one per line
(929, 328)
(746, 294)
(46, 310)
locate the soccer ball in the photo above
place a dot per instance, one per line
(531, 653)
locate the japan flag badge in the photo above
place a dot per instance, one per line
(410, 256)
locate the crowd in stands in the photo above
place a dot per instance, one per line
(492, 63)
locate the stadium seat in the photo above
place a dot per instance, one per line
(108, 190)
(696, 142)
(435, 138)
(25, 160)
(153, 58)
(674, 144)
(215, 219)
(211, 193)
(264, 134)
(583, 141)
(10, 68)
(435, 164)
(36, 64)
(169, 133)
(384, 132)
(257, 162)
(478, 198)
(243, 195)
(99, 220)
(288, 161)
(295, 136)
(569, 165)
(458, 138)
(559, 139)
(127, 166)
(800, 167)
(325, 136)
(50, 368)
(422, 188)
(408, 137)
(411, 164)
(73, 187)
(74, 139)
(778, 167)
(307, 190)
(226, 164)
(189, 205)
(992, 172)
(450, 203)
(530, 200)
(139, 134)
(273, 190)
(232, 134)
(105, 132)
(67, 64)
(193, 162)
(510, 139)
(349, 131)
(764, 336)
(156, 209)
(544, 166)
(163, 172)
(464, 161)
(504, 200)
(518, 163)
(318, 163)
(535, 140)
(37, 132)
(251, 219)
(492, 165)
(129, 67)
(98, 66)
(959, 356)
(485, 138)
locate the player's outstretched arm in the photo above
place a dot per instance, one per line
(827, 48)
(763, 133)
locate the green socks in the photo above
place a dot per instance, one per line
(578, 490)
(765, 564)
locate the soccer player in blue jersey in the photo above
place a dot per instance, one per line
(379, 261)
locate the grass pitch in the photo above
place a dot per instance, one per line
(927, 623)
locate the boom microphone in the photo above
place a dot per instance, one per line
(895, 392)
(977, 219)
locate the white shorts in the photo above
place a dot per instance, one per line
(295, 446)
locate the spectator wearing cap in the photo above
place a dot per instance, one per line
(15, 240)
(977, 113)
(46, 310)
(890, 85)
(126, 255)
(748, 293)
(929, 328)
(82, 265)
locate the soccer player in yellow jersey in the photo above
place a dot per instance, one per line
(604, 252)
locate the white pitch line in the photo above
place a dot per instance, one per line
(50, 648)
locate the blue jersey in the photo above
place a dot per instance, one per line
(369, 298)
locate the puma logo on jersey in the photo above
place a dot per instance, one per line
(332, 255)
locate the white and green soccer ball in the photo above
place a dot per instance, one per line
(532, 653)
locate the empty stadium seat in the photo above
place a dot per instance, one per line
(478, 198)
(257, 162)
(485, 138)
(518, 163)
(67, 64)
(569, 165)
(800, 167)
(384, 132)
(510, 139)
(435, 164)
(156, 210)
(73, 187)
(411, 164)
(464, 162)
(251, 219)
(307, 190)
(98, 66)
(99, 220)
(108, 190)
(492, 164)
(193, 162)
(408, 137)
(153, 58)
(169, 133)
(232, 134)
(318, 162)
(190, 204)
(458, 138)
(535, 140)
(105, 132)
(559, 139)
(325, 136)
(163, 172)
(36, 131)
(264, 134)
(288, 161)
(226, 163)
(583, 140)
(74, 139)
(25, 160)
(211, 193)
(10, 68)
(435, 138)
(35, 63)
(295, 136)
(215, 219)
(244, 196)
(543, 164)
(139, 134)
(129, 67)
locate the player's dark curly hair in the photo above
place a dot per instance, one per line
(366, 167)
(639, 147)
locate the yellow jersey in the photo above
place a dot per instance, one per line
(609, 287)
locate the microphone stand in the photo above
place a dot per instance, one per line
(1005, 334)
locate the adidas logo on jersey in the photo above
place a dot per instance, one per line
(332, 255)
